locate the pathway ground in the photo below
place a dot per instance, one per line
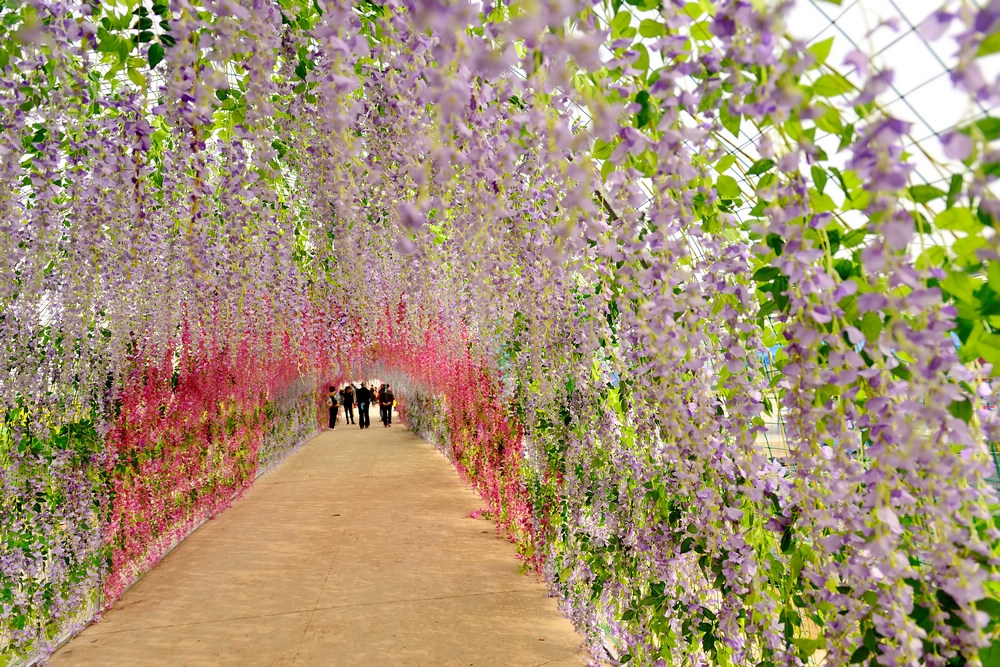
(357, 550)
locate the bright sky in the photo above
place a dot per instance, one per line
(922, 92)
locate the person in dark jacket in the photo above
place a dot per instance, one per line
(385, 401)
(364, 397)
(347, 400)
(381, 408)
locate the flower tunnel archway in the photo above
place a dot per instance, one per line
(670, 286)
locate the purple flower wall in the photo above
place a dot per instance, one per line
(84, 516)
(51, 559)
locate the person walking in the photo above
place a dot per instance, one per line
(347, 400)
(381, 408)
(333, 403)
(386, 400)
(363, 397)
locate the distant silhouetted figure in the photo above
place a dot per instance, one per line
(333, 403)
(378, 399)
(385, 400)
(364, 397)
(347, 400)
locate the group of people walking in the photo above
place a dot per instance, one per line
(363, 396)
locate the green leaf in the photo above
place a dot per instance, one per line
(954, 189)
(796, 563)
(993, 275)
(960, 286)
(793, 127)
(988, 348)
(990, 127)
(830, 120)
(106, 42)
(646, 108)
(932, 257)
(709, 101)
(846, 136)
(602, 149)
(830, 85)
(990, 606)
(821, 203)
(645, 5)
(821, 50)
(965, 248)
(761, 166)
(652, 29)
(845, 268)
(923, 225)
(155, 55)
(860, 655)
(124, 47)
(786, 540)
(766, 274)
(990, 45)
(727, 187)
(853, 238)
(708, 641)
(136, 77)
(961, 410)
(922, 194)
(808, 646)
(701, 31)
(693, 10)
(606, 169)
(766, 309)
(871, 326)
(729, 121)
(990, 655)
(819, 177)
(620, 22)
(641, 62)
(957, 220)
(725, 162)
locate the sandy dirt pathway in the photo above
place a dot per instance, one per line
(356, 550)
